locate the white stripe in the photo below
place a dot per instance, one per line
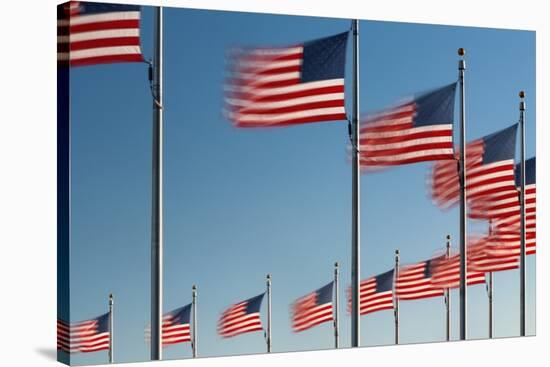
(409, 155)
(252, 80)
(300, 87)
(103, 34)
(103, 17)
(105, 51)
(267, 65)
(286, 103)
(276, 51)
(406, 143)
(281, 117)
(414, 130)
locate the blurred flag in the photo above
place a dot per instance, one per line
(487, 254)
(85, 336)
(375, 293)
(415, 282)
(175, 326)
(243, 317)
(313, 309)
(489, 170)
(414, 131)
(446, 273)
(96, 33)
(512, 222)
(287, 85)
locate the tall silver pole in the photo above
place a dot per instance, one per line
(268, 334)
(156, 207)
(522, 216)
(490, 297)
(395, 299)
(490, 293)
(462, 175)
(111, 330)
(355, 200)
(336, 321)
(195, 336)
(448, 294)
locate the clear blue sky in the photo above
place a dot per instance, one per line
(241, 203)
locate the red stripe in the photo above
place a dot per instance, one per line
(432, 157)
(413, 148)
(99, 26)
(317, 118)
(107, 59)
(298, 94)
(401, 138)
(105, 42)
(296, 108)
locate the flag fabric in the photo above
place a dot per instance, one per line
(512, 221)
(488, 254)
(313, 308)
(86, 336)
(415, 282)
(96, 33)
(446, 273)
(175, 326)
(505, 239)
(243, 317)
(375, 293)
(417, 130)
(283, 86)
(489, 170)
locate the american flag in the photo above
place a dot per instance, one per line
(96, 33)
(243, 317)
(175, 326)
(375, 293)
(513, 221)
(486, 254)
(84, 336)
(414, 131)
(287, 85)
(415, 282)
(489, 170)
(313, 309)
(446, 273)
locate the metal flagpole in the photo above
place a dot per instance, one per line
(448, 294)
(395, 299)
(156, 216)
(355, 230)
(490, 293)
(522, 216)
(268, 334)
(111, 330)
(462, 175)
(336, 324)
(194, 308)
(490, 296)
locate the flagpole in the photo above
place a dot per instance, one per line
(111, 330)
(355, 200)
(156, 215)
(522, 215)
(268, 336)
(336, 321)
(462, 175)
(194, 308)
(490, 297)
(490, 293)
(396, 300)
(448, 294)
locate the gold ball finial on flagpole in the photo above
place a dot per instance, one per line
(461, 52)
(521, 94)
